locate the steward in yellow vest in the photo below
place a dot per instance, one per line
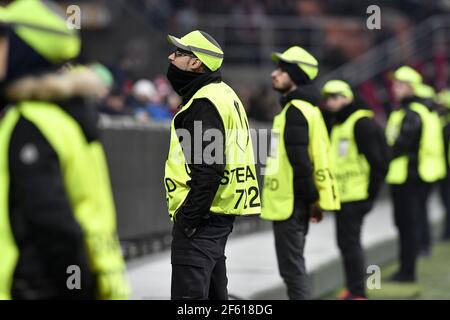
(443, 107)
(210, 175)
(361, 159)
(57, 219)
(299, 177)
(426, 96)
(414, 134)
(415, 138)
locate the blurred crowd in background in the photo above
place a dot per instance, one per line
(164, 14)
(154, 99)
(147, 96)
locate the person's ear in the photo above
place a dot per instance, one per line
(348, 100)
(410, 89)
(4, 52)
(196, 64)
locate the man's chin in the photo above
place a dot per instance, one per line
(280, 90)
(276, 88)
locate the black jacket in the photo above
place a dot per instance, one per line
(408, 141)
(296, 139)
(446, 132)
(205, 178)
(370, 141)
(48, 237)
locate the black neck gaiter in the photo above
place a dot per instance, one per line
(297, 75)
(22, 61)
(405, 102)
(180, 79)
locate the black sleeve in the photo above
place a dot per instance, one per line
(409, 137)
(205, 175)
(41, 216)
(329, 119)
(85, 115)
(372, 144)
(296, 139)
(447, 142)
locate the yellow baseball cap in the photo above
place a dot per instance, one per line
(202, 45)
(40, 26)
(302, 58)
(408, 74)
(337, 87)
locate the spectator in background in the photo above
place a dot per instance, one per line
(163, 87)
(173, 103)
(114, 103)
(166, 93)
(148, 103)
(245, 93)
(263, 105)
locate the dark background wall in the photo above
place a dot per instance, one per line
(136, 158)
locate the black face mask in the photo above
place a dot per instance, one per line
(179, 79)
(295, 73)
(25, 60)
(22, 61)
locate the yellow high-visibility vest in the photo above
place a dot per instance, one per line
(278, 192)
(445, 120)
(86, 182)
(352, 167)
(238, 192)
(431, 157)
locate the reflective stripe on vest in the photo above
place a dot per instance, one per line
(278, 193)
(352, 168)
(8, 247)
(431, 157)
(238, 192)
(86, 181)
(445, 121)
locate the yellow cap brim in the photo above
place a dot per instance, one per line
(277, 56)
(178, 43)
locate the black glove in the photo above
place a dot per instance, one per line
(181, 222)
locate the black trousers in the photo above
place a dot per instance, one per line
(290, 237)
(407, 205)
(444, 188)
(424, 232)
(348, 232)
(198, 262)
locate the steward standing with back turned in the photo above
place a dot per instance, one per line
(205, 190)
